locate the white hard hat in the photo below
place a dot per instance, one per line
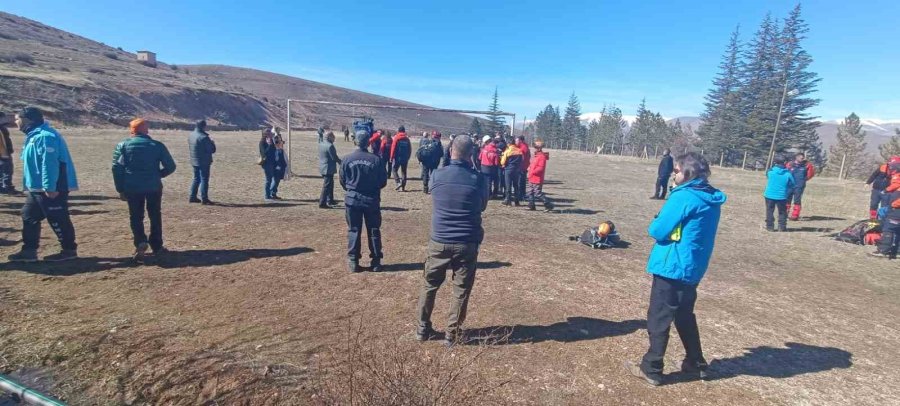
(486, 138)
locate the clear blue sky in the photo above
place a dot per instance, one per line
(453, 53)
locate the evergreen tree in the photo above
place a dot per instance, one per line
(643, 131)
(475, 127)
(890, 148)
(722, 121)
(849, 150)
(547, 124)
(760, 93)
(573, 133)
(609, 130)
(496, 122)
(797, 130)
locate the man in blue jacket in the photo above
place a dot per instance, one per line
(685, 233)
(202, 149)
(459, 195)
(363, 177)
(778, 190)
(49, 176)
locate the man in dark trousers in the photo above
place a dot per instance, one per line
(429, 155)
(459, 195)
(48, 177)
(363, 177)
(328, 162)
(663, 174)
(802, 171)
(139, 164)
(6, 159)
(202, 149)
(401, 151)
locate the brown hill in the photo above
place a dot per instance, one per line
(83, 82)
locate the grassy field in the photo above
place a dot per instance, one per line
(254, 304)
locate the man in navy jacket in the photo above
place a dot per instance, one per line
(459, 195)
(663, 174)
(363, 177)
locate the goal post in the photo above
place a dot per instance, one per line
(381, 106)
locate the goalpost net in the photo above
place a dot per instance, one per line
(414, 125)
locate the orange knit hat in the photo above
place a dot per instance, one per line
(138, 126)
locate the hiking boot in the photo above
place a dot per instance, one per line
(64, 255)
(194, 200)
(532, 207)
(276, 197)
(548, 209)
(517, 204)
(354, 267)
(376, 265)
(770, 229)
(160, 251)
(325, 206)
(876, 254)
(207, 202)
(426, 335)
(636, 371)
(695, 369)
(782, 229)
(24, 256)
(140, 251)
(398, 187)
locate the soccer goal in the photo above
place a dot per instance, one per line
(376, 107)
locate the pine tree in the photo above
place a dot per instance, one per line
(475, 127)
(890, 148)
(641, 132)
(609, 130)
(496, 122)
(760, 93)
(849, 149)
(573, 132)
(722, 120)
(547, 124)
(797, 130)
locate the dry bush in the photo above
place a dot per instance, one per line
(7, 36)
(17, 57)
(96, 70)
(111, 55)
(364, 371)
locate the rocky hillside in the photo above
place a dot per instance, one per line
(83, 82)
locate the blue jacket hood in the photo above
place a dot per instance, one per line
(701, 189)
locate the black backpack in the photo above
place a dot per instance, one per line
(403, 150)
(856, 233)
(427, 151)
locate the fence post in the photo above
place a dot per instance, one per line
(843, 159)
(656, 152)
(722, 159)
(744, 165)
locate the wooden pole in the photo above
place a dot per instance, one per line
(722, 159)
(744, 165)
(843, 159)
(656, 152)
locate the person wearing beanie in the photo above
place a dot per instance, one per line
(401, 151)
(536, 169)
(362, 177)
(202, 149)
(48, 177)
(6, 159)
(139, 165)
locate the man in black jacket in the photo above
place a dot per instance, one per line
(202, 149)
(460, 195)
(663, 174)
(430, 153)
(363, 177)
(328, 162)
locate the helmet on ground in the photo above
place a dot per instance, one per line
(606, 228)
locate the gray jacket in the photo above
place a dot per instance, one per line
(328, 159)
(202, 148)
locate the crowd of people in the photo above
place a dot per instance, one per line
(460, 178)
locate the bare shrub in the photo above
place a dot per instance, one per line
(111, 55)
(403, 373)
(96, 70)
(7, 36)
(173, 67)
(23, 57)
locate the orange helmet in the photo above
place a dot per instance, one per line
(606, 228)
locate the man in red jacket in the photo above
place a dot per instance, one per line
(536, 170)
(526, 161)
(490, 162)
(803, 171)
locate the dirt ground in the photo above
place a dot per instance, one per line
(254, 296)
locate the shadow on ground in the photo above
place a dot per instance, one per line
(419, 266)
(822, 218)
(171, 259)
(572, 330)
(779, 363)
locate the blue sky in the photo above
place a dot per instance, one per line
(452, 53)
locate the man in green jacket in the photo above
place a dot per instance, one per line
(139, 164)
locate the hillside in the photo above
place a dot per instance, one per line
(83, 82)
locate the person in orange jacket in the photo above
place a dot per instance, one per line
(890, 236)
(803, 171)
(536, 170)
